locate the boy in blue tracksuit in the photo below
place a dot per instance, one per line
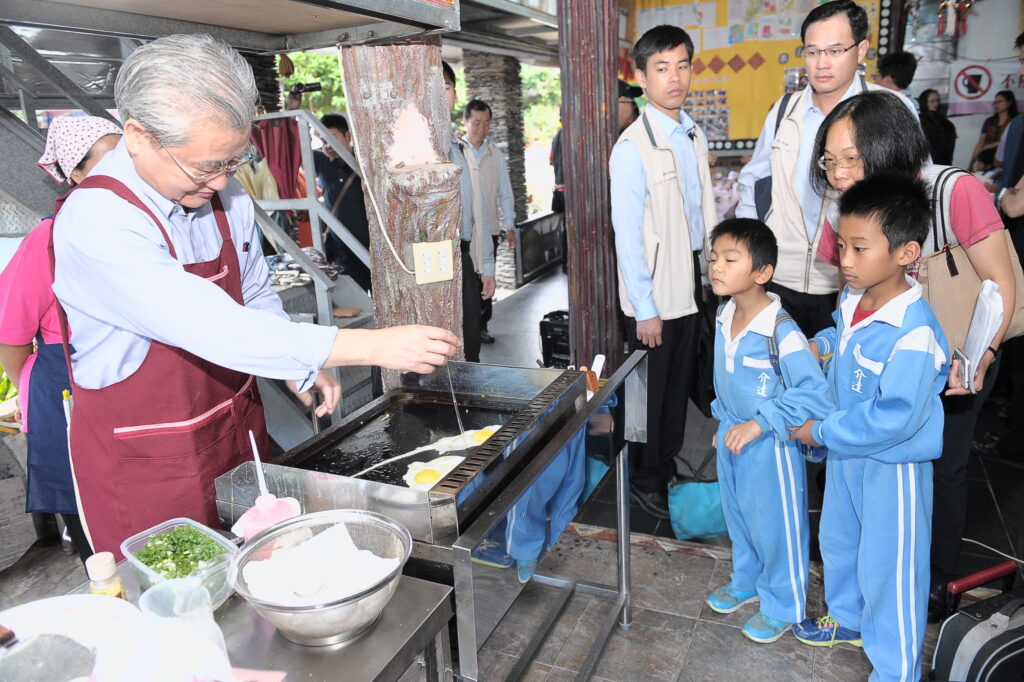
(762, 397)
(888, 368)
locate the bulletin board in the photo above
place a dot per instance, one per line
(746, 55)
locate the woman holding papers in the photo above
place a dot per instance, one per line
(875, 132)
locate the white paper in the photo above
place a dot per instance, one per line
(988, 316)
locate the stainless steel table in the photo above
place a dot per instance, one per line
(414, 621)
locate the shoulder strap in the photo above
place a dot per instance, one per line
(773, 345)
(941, 193)
(647, 127)
(782, 111)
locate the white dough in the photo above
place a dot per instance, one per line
(322, 569)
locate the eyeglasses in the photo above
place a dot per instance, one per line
(229, 168)
(846, 162)
(834, 52)
(626, 101)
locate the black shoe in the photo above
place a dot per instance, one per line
(937, 604)
(486, 336)
(654, 503)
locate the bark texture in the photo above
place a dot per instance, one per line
(588, 121)
(397, 112)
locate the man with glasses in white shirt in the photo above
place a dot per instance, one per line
(775, 185)
(158, 267)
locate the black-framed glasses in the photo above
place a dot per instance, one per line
(228, 168)
(826, 164)
(834, 52)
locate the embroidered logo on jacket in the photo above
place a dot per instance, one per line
(858, 379)
(762, 388)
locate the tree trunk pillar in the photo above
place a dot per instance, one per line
(588, 36)
(398, 115)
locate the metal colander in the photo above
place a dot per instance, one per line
(342, 619)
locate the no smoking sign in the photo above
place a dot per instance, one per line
(973, 82)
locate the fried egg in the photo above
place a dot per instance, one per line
(423, 475)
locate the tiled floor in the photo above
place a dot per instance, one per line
(674, 636)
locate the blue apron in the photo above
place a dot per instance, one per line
(49, 487)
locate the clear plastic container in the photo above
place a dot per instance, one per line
(215, 576)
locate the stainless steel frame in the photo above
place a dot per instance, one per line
(474, 624)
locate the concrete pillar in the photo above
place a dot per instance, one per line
(495, 79)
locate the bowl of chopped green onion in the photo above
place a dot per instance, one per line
(182, 548)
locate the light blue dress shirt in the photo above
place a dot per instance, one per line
(628, 191)
(759, 165)
(121, 287)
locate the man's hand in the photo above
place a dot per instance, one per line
(814, 349)
(741, 434)
(803, 434)
(324, 384)
(488, 289)
(510, 235)
(648, 332)
(413, 348)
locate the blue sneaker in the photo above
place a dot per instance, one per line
(727, 599)
(764, 629)
(526, 569)
(825, 631)
(492, 553)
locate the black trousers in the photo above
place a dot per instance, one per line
(487, 307)
(472, 288)
(949, 500)
(811, 312)
(73, 523)
(671, 369)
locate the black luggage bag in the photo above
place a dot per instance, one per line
(983, 642)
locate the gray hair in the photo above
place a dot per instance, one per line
(173, 82)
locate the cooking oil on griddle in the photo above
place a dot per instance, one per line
(404, 426)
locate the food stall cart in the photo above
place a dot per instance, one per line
(542, 413)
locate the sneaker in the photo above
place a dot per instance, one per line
(526, 569)
(492, 553)
(764, 629)
(825, 631)
(727, 599)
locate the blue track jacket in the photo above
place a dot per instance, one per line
(747, 386)
(886, 377)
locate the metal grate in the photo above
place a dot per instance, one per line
(16, 220)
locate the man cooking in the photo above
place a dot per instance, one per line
(158, 266)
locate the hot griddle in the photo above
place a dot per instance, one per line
(529, 404)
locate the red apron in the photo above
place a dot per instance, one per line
(148, 448)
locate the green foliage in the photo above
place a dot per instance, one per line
(312, 67)
(541, 86)
(540, 123)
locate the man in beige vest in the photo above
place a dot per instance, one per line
(493, 207)
(662, 208)
(835, 43)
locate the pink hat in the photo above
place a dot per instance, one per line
(69, 140)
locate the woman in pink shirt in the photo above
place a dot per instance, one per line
(74, 144)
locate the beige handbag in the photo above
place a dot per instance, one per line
(950, 283)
